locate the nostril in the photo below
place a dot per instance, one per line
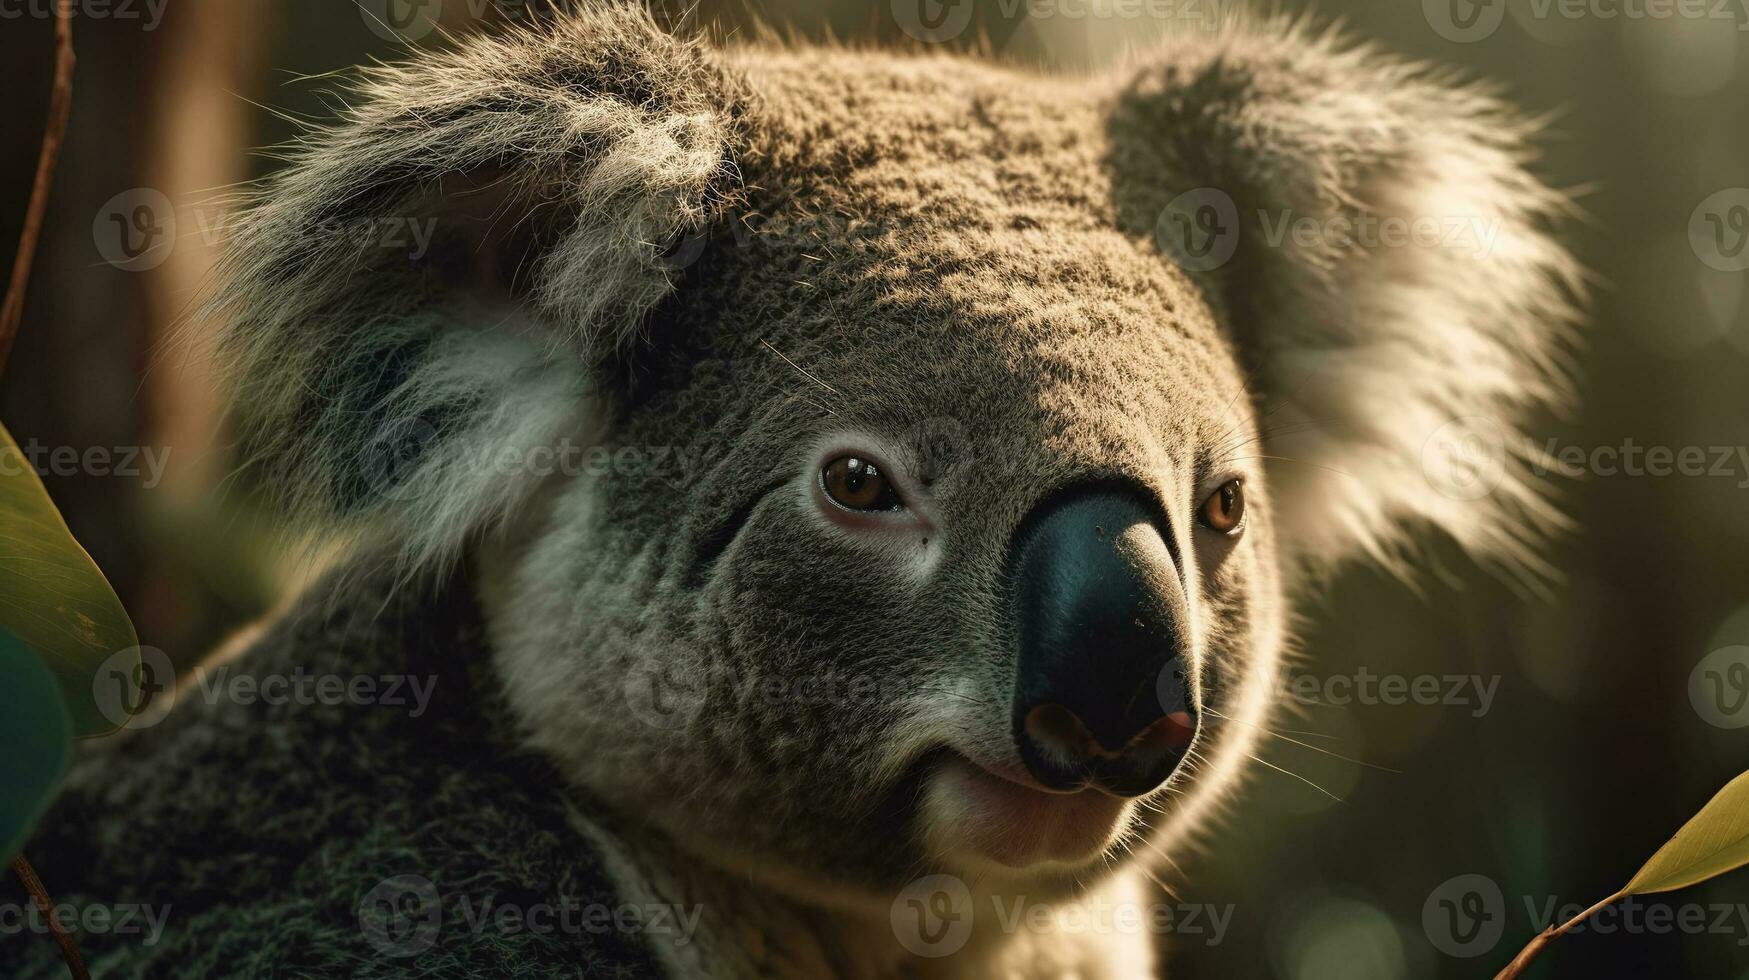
(1059, 748)
(1150, 757)
(1060, 737)
(1160, 746)
(1062, 756)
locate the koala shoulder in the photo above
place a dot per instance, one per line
(341, 798)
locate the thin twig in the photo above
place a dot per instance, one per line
(54, 133)
(46, 906)
(1522, 960)
(11, 313)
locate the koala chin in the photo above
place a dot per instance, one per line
(823, 482)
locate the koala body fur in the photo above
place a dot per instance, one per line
(764, 255)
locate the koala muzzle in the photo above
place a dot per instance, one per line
(1100, 618)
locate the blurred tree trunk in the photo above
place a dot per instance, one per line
(202, 124)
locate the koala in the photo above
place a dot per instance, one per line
(828, 493)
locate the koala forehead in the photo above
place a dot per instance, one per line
(933, 246)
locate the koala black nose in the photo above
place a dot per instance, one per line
(1101, 617)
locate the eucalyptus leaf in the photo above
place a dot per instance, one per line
(1712, 842)
(54, 599)
(36, 742)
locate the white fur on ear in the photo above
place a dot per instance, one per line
(370, 380)
(439, 470)
(1394, 284)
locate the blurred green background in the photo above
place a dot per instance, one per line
(1592, 749)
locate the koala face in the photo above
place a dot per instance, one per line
(956, 498)
(977, 541)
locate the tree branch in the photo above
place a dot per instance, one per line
(46, 906)
(1549, 935)
(60, 107)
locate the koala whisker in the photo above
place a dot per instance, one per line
(1265, 430)
(1298, 731)
(1302, 462)
(1297, 776)
(816, 403)
(1224, 451)
(798, 367)
(954, 694)
(1238, 423)
(1334, 755)
(1128, 842)
(1134, 836)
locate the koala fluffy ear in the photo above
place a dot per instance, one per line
(1368, 230)
(414, 305)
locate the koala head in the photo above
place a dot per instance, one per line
(874, 463)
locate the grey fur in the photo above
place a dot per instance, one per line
(764, 253)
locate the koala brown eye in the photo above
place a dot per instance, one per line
(1224, 509)
(857, 484)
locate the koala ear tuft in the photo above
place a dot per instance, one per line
(1369, 232)
(414, 305)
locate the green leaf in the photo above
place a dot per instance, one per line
(1714, 841)
(37, 736)
(53, 598)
